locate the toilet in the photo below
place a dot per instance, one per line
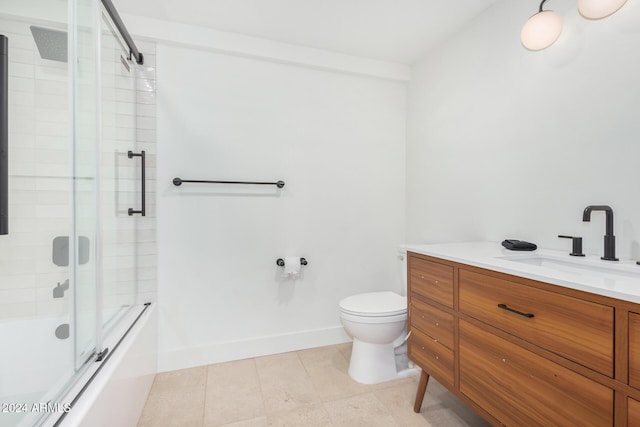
(377, 323)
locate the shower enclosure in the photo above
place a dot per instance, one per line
(71, 199)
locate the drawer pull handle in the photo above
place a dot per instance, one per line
(520, 313)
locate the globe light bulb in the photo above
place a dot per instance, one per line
(598, 9)
(541, 30)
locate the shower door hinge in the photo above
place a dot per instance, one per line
(102, 355)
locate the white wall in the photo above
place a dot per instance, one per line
(205, 38)
(336, 139)
(504, 142)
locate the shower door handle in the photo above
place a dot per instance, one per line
(142, 211)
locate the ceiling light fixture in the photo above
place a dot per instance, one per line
(598, 9)
(541, 30)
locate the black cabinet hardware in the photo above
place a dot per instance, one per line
(519, 313)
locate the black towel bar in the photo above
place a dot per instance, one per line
(178, 181)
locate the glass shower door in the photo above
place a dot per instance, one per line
(120, 177)
(47, 260)
(68, 264)
(85, 251)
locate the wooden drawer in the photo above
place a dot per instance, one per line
(578, 330)
(433, 322)
(431, 356)
(634, 350)
(520, 388)
(431, 280)
(633, 412)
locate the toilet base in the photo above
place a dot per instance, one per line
(372, 363)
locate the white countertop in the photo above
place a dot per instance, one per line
(619, 279)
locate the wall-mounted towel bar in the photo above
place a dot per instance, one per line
(178, 181)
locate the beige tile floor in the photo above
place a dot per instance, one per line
(302, 388)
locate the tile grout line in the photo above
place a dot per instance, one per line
(303, 365)
(206, 387)
(320, 401)
(255, 369)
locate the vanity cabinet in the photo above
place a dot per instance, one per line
(431, 342)
(432, 280)
(576, 329)
(434, 322)
(519, 387)
(522, 352)
(426, 351)
(634, 350)
(633, 413)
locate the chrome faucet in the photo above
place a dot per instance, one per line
(609, 238)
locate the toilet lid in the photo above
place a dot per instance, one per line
(374, 304)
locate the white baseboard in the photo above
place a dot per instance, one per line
(260, 346)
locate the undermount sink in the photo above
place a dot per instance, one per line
(606, 270)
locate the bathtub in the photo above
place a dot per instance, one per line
(108, 393)
(118, 391)
(28, 375)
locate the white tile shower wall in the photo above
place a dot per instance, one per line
(337, 140)
(40, 188)
(118, 176)
(146, 228)
(39, 179)
(508, 143)
(128, 242)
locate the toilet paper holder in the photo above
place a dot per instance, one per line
(280, 262)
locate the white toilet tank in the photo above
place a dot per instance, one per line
(402, 265)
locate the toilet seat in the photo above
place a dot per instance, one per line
(374, 304)
(373, 319)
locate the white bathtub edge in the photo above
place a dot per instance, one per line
(117, 395)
